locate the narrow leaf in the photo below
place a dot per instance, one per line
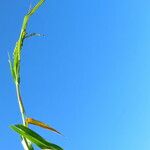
(34, 137)
(36, 7)
(11, 67)
(33, 34)
(40, 124)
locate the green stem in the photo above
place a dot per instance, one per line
(15, 68)
(23, 115)
(20, 102)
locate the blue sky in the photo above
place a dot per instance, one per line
(89, 77)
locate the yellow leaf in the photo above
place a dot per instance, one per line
(40, 124)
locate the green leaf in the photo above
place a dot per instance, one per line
(11, 67)
(40, 124)
(34, 137)
(36, 7)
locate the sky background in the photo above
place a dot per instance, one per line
(89, 77)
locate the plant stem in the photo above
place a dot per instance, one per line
(20, 102)
(23, 115)
(15, 69)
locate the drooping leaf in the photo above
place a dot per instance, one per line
(34, 137)
(40, 124)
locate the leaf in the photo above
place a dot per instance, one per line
(40, 124)
(36, 7)
(33, 34)
(34, 137)
(19, 43)
(11, 67)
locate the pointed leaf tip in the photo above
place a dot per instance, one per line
(34, 137)
(41, 124)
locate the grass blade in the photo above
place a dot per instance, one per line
(40, 124)
(34, 137)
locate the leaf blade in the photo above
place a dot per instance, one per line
(34, 137)
(41, 124)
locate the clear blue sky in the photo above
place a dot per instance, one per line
(89, 77)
